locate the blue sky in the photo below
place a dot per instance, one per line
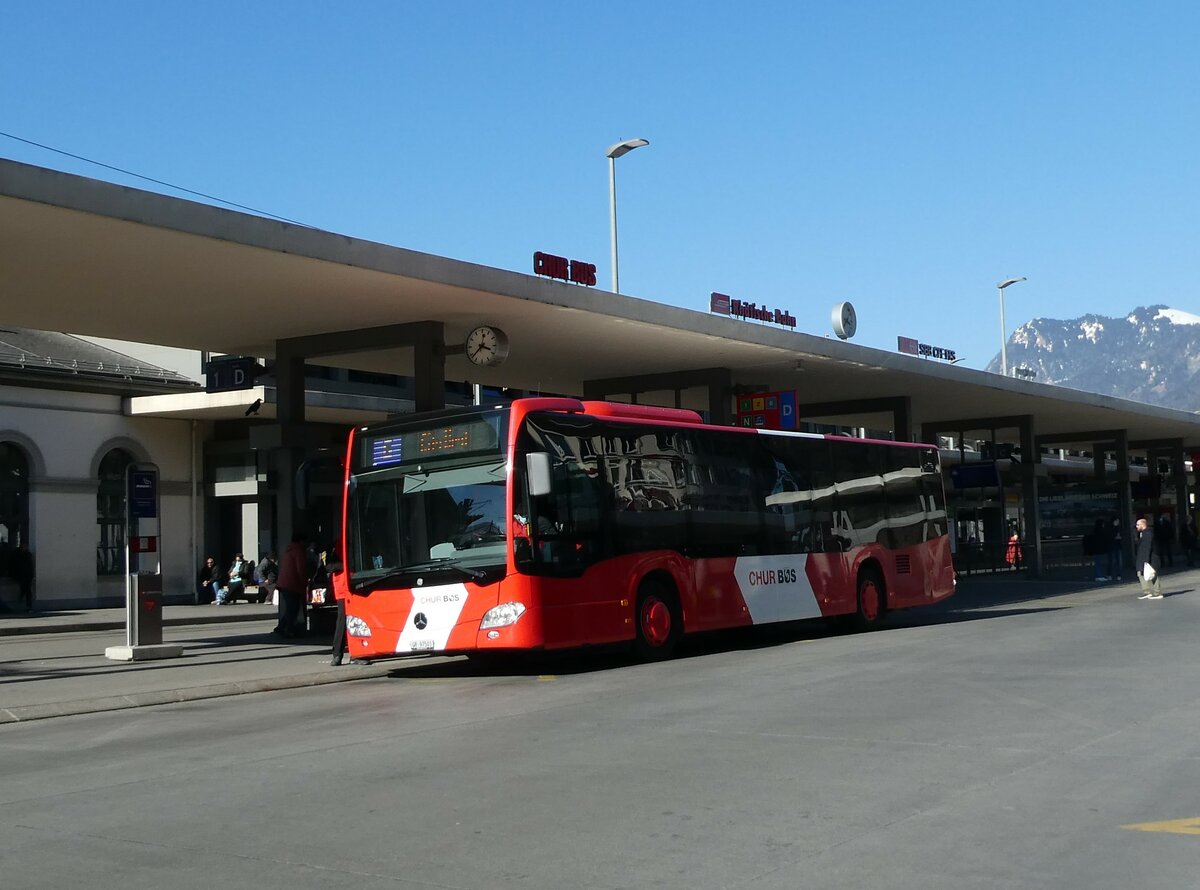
(902, 156)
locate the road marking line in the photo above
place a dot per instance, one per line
(547, 677)
(1172, 826)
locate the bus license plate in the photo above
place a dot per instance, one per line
(421, 645)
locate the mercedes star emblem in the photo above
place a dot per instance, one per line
(420, 621)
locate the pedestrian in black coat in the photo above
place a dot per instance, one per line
(1147, 563)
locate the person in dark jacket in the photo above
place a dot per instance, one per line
(20, 569)
(1146, 554)
(292, 583)
(337, 583)
(266, 573)
(208, 581)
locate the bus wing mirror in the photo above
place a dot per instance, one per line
(537, 466)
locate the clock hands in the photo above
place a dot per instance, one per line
(486, 346)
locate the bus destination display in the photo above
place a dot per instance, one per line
(471, 437)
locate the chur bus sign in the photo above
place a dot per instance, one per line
(575, 271)
(723, 304)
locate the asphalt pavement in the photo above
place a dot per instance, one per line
(53, 664)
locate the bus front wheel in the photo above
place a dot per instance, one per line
(659, 623)
(872, 600)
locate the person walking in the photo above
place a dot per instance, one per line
(1012, 553)
(1146, 562)
(337, 582)
(20, 569)
(292, 582)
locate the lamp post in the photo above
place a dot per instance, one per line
(621, 148)
(1003, 329)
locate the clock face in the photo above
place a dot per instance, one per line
(845, 320)
(487, 346)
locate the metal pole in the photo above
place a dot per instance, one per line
(612, 216)
(130, 603)
(1003, 338)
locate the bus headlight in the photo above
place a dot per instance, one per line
(356, 627)
(502, 615)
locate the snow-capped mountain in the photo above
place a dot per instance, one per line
(1151, 355)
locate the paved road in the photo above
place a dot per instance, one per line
(1004, 746)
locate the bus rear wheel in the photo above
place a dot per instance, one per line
(872, 600)
(659, 622)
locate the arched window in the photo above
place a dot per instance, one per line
(110, 512)
(14, 501)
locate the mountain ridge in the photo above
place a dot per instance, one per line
(1151, 355)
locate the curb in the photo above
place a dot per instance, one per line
(32, 630)
(344, 674)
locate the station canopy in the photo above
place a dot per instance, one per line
(104, 260)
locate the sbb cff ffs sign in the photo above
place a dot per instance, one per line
(575, 271)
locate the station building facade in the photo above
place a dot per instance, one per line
(66, 441)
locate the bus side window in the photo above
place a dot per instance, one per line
(933, 495)
(789, 497)
(858, 474)
(824, 537)
(902, 486)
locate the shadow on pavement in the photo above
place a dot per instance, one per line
(603, 658)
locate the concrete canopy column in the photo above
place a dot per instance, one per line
(1031, 457)
(1124, 499)
(286, 457)
(290, 440)
(1179, 474)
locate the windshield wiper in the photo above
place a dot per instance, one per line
(445, 564)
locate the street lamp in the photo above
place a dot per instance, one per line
(1003, 330)
(621, 148)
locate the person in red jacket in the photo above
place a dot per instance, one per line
(291, 584)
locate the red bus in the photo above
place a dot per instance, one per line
(553, 523)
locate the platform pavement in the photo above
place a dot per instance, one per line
(53, 664)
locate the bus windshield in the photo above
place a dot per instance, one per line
(428, 501)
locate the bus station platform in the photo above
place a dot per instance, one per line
(53, 664)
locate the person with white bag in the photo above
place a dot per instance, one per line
(1147, 562)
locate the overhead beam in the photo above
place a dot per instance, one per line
(1155, 444)
(974, 424)
(389, 336)
(900, 407)
(1089, 437)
